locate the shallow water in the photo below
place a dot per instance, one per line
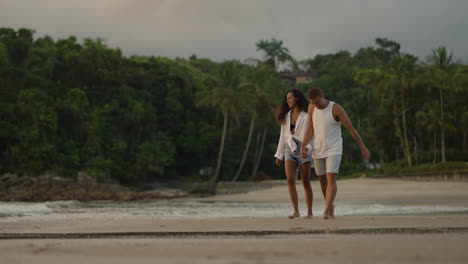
(174, 209)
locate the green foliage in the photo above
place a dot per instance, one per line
(68, 106)
(35, 136)
(154, 155)
(274, 51)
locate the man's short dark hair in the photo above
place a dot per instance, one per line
(316, 92)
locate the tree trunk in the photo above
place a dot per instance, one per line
(257, 144)
(465, 132)
(442, 129)
(396, 122)
(415, 151)
(381, 154)
(435, 148)
(247, 145)
(257, 162)
(215, 177)
(405, 134)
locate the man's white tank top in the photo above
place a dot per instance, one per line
(327, 133)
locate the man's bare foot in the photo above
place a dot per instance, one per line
(326, 214)
(332, 212)
(308, 217)
(294, 215)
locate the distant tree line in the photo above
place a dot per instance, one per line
(67, 106)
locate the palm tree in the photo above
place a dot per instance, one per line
(274, 90)
(275, 52)
(427, 118)
(259, 151)
(392, 84)
(225, 97)
(258, 76)
(443, 73)
(402, 69)
(462, 78)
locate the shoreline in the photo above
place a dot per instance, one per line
(225, 234)
(316, 224)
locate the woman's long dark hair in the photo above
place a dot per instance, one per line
(301, 103)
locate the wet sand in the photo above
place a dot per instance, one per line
(440, 248)
(428, 238)
(235, 225)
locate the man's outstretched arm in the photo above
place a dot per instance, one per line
(343, 117)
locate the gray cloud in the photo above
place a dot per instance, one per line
(220, 29)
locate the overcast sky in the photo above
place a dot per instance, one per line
(226, 29)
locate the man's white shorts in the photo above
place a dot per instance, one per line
(330, 164)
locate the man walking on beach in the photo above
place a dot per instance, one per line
(325, 119)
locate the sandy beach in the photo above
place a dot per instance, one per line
(388, 238)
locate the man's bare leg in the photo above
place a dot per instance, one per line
(323, 186)
(305, 178)
(330, 195)
(290, 169)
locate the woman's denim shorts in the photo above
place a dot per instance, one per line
(297, 157)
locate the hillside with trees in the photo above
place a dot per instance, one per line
(68, 106)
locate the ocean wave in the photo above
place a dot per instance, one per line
(197, 209)
(380, 209)
(22, 209)
(63, 204)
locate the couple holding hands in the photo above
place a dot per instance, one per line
(313, 136)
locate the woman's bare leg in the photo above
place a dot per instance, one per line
(305, 178)
(290, 168)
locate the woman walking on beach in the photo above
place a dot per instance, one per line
(292, 116)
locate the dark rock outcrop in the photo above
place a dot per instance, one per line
(83, 188)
